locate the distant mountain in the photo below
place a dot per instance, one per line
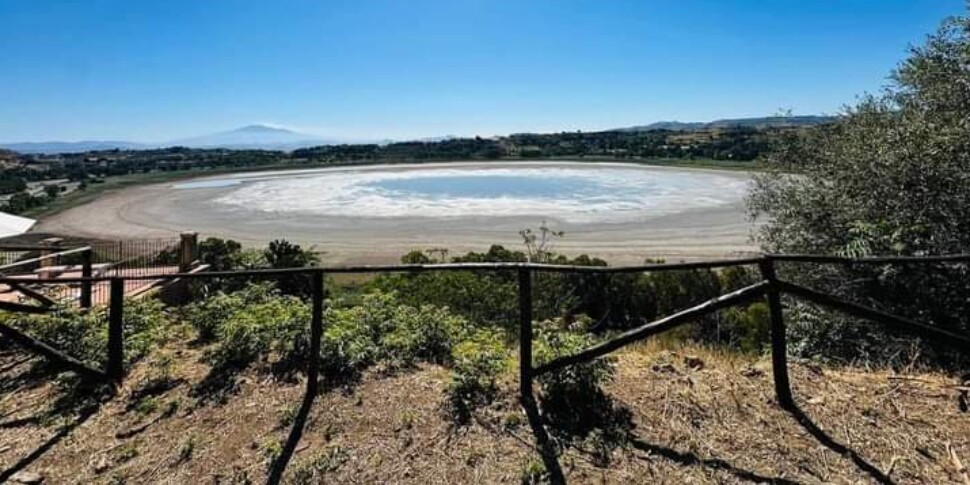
(764, 122)
(259, 137)
(251, 137)
(264, 137)
(71, 146)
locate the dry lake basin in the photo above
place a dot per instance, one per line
(374, 214)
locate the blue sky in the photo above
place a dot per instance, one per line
(161, 70)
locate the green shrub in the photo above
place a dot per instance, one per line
(257, 323)
(145, 324)
(381, 329)
(477, 362)
(84, 334)
(426, 334)
(208, 315)
(81, 335)
(278, 326)
(747, 329)
(571, 398)
(351, 336)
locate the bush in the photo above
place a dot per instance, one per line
(145, 327)
(477, 362)
(256, 331)
(426, 333)
(257, 323)
(571, 398)
(283, 254)
(84, 335)
(891, 176)
(380, 329)
(747, 329)
(210, 314)
(219, 254)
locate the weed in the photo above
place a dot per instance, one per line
(210, 314)
(146, 406)
(513, 420)
(187, 450)
(534, 472)
(312, 470)
(84, 334)
(271, 449)
(288, 415)
(127, 453)
(407, 421)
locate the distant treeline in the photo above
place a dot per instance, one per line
(739, 143)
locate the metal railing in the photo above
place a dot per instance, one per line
(141, 258)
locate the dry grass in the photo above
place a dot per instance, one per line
(700, 416)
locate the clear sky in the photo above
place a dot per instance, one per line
(160, 70)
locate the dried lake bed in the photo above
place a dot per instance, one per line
(621, 212)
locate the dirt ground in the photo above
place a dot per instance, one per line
(698, 416)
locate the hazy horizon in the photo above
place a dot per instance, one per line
(151, 73)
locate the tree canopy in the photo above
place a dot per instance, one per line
(889, 177)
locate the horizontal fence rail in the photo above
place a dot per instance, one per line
(424, 268)
(744, 295)
(45, 257)
(813, 258)
(770, 287)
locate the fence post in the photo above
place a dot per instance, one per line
(316, 332)
(779, 346)
(525, 334)
(116, 337)
(86, 257)
(54, 243)
(188, 243)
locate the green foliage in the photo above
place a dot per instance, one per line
(219, 254)
(271, 449)
(380, 329)
(258, 324)
(486, 298)
(613, 301)
(282, 254)
(145, 324)
(313, 469)
(23, 201)
(426, 333)
(747, 329)
(274, 327)
(477, 363)
(534, 472)
(890, 177)
(84, 334)
(571, 397)
(209, 315)
(187, 449)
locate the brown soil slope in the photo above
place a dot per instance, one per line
(714, 421)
